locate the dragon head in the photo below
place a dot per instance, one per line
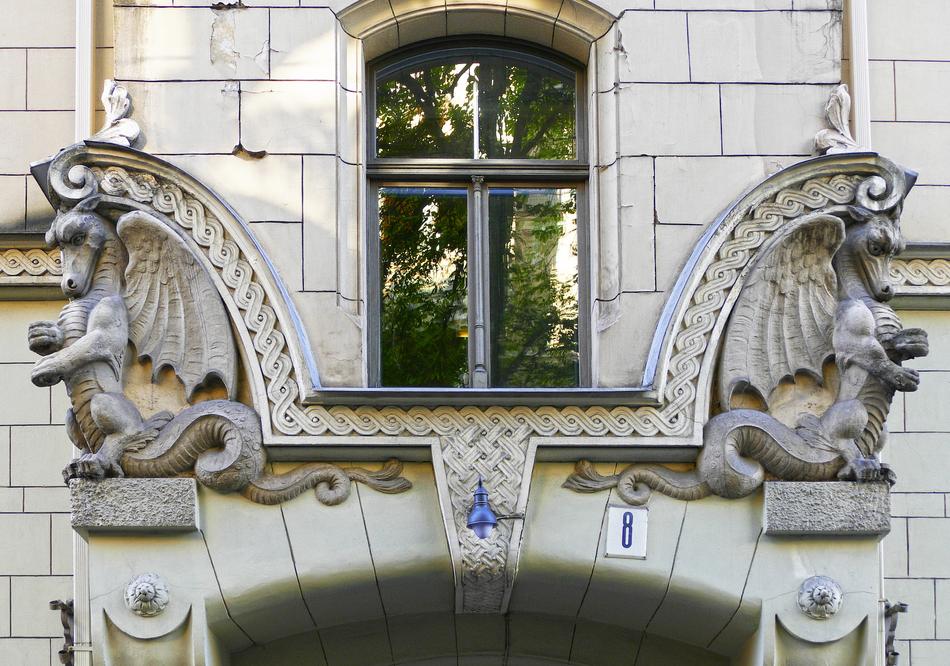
(872, 240)
(80, 234)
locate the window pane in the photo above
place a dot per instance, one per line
(426, 110)
(525, 111)
(423, 269)
(533, 287)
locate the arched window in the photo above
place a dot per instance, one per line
(477, 166)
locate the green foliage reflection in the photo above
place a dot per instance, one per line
(525, 111)
(426, 111)
(534, 287)
(478, 107)
(423, 285)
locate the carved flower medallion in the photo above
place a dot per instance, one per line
(146, 595)
(819, 597)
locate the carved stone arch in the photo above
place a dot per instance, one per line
(274, 347)
(568, 26)
(686, 342)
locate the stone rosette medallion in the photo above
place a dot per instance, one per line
(146, 595)
(819, 597)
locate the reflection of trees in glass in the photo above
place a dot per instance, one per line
(534, 288)
(426, 111)
(423, 272)
(525, 111)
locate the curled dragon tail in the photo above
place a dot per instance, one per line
(740, 447)
(636, 483)
(331, 483)
(222, 441)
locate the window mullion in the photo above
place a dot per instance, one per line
(478, 285)
(374, 293)
(475, 114)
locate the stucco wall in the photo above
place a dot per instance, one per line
(711, 101)
(37, 75)
(916, 566)
(910, 68)
(35, 536)
(690, 101)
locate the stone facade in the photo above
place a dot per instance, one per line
(37, 73)
(690, 103)
(907, 110)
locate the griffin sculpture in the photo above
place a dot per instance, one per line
(136, 281)
(816, 292)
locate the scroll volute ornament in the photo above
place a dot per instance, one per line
(136, 280)
(813, 306)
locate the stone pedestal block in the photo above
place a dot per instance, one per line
(119, 505)
(836, 508)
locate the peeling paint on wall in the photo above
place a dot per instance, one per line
(222, 40)
(224, 43)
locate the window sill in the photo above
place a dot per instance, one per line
(506, 397)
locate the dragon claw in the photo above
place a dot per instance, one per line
(867, 470)
(150, 430)
(91, 466)
(158, 421)
(45, 337)
(901, 379)
(46, 372)
(908, 343)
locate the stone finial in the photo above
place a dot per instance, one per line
(819, 597)
(118, 127)
(838, 138)
(146, 595)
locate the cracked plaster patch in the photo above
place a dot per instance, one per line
(224, 48)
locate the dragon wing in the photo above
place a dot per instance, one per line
(176, 317)
(783, 320)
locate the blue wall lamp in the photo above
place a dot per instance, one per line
(481, 519)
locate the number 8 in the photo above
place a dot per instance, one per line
(626, 534)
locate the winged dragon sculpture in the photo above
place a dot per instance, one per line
(135, 280)
(811, 359)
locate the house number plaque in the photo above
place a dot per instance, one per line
(627, 532)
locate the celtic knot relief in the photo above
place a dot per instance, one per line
(35, 262)
(497, 453)
(673, 417)
(920, 273)
(491, 441)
